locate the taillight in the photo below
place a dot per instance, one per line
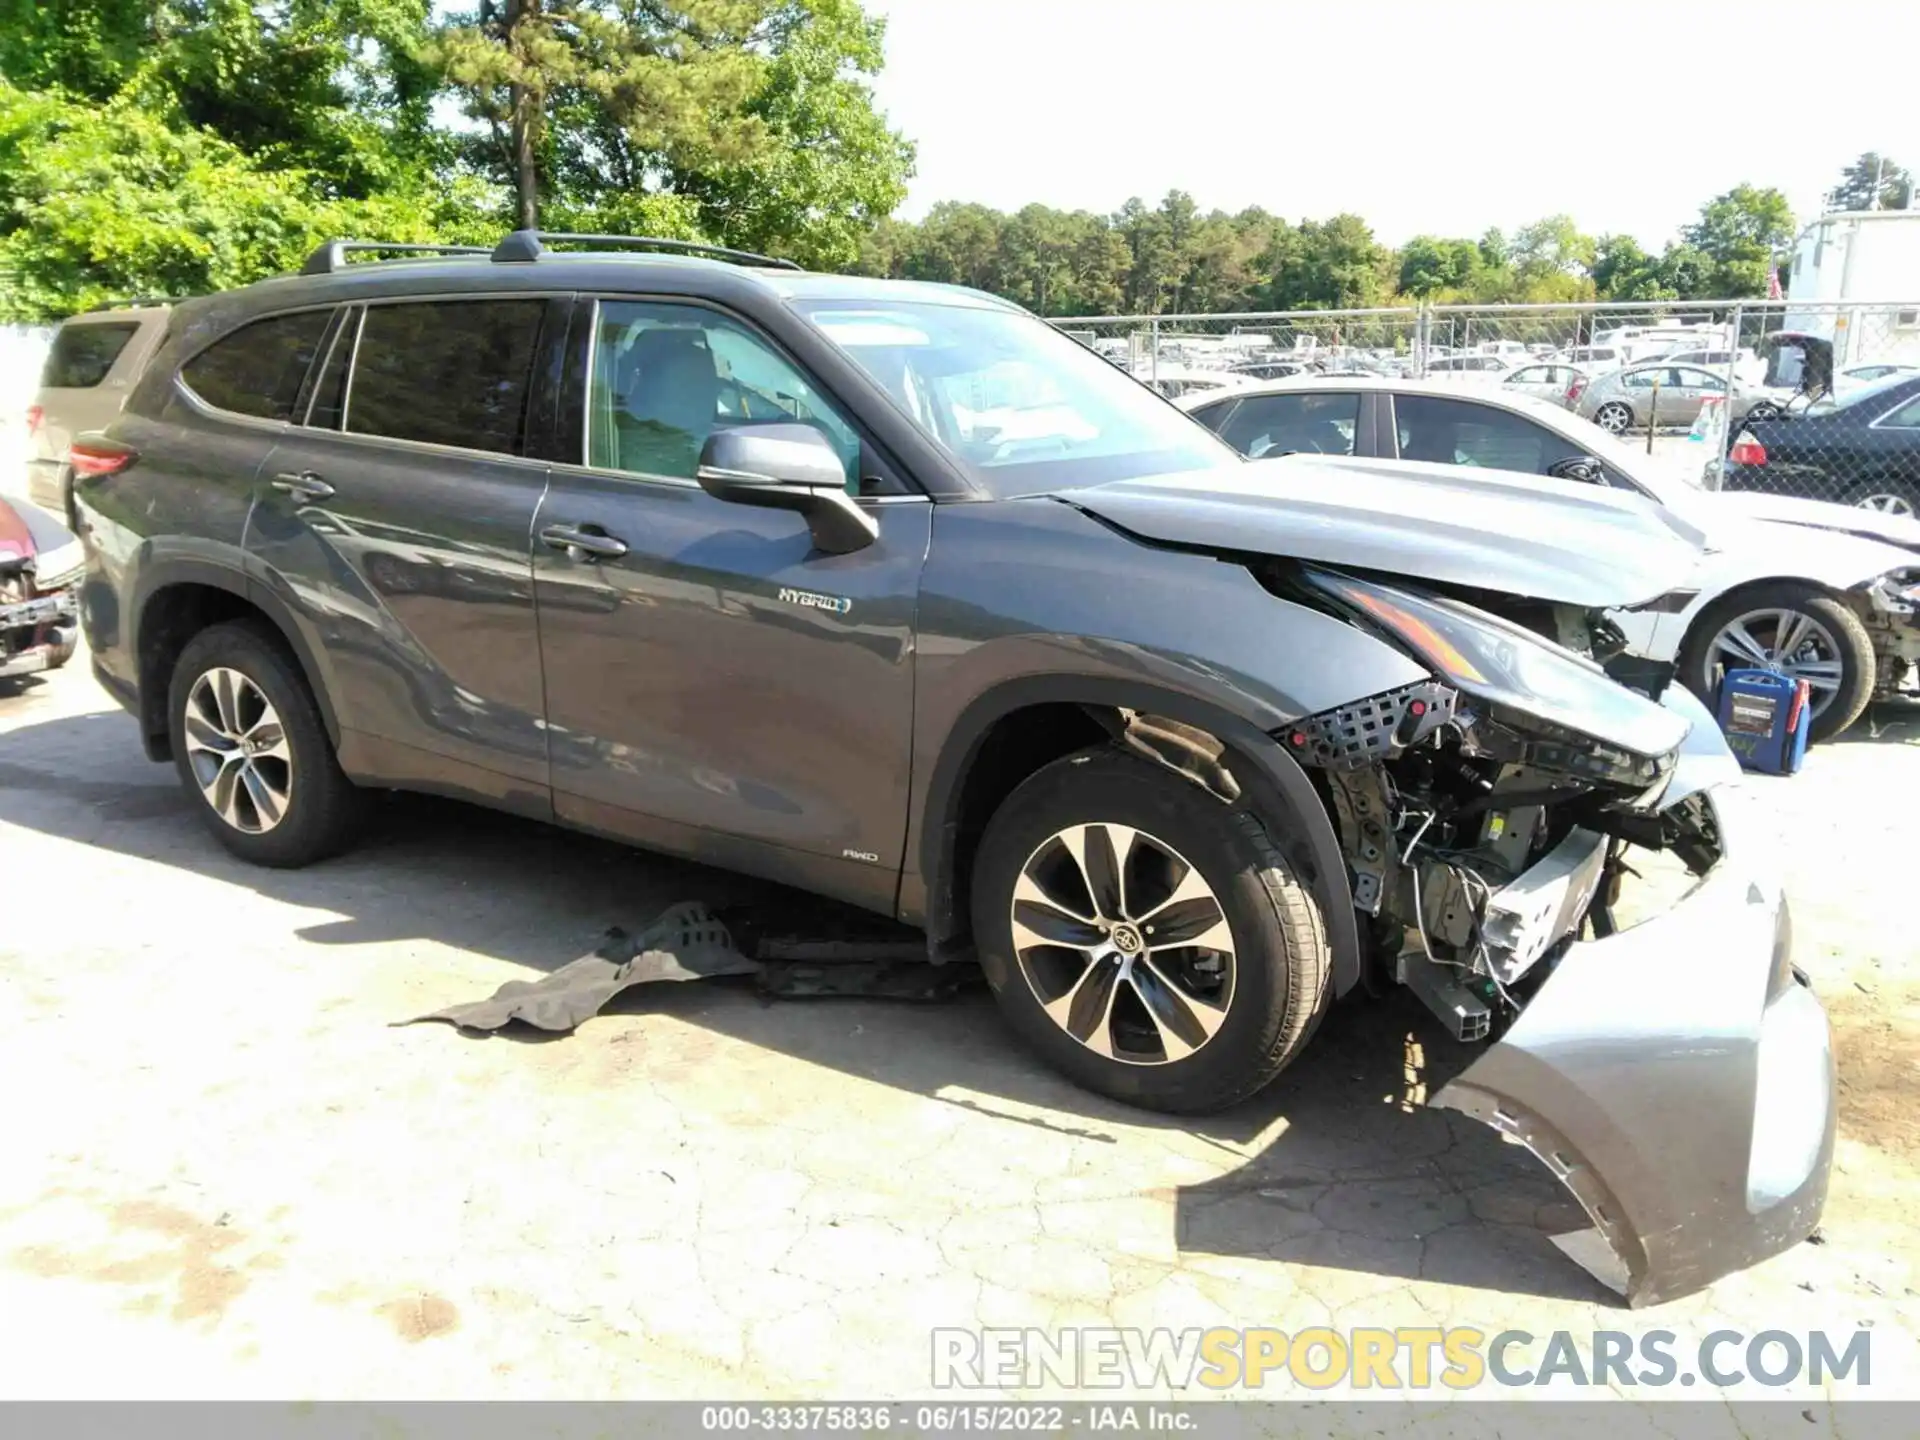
(1577, 388)
(35, 414)
(98, 457)
(1747, 451)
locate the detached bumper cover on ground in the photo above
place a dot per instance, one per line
(1677, 1077)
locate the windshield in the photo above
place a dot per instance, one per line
(1023, 408)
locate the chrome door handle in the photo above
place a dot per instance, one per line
(593, 543)
(303, 485)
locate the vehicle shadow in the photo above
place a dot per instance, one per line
(1340, 1164)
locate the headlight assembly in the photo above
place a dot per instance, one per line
(1524, 678)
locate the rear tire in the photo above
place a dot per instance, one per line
(1701, 665)
(1225, 1017)
(1614, 417)
(252, 751)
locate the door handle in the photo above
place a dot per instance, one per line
(303, 485)
(584, 543)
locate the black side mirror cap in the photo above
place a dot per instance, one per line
(1584, 468)
(787, 466)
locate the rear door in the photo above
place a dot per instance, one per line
(1690, 388)
(714, 684)
(393, 518)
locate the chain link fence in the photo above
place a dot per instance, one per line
(1714, 370)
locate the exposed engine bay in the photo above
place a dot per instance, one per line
(1484, 838)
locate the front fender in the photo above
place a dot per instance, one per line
(1031, 602)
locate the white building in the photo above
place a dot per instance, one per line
(1857, 272)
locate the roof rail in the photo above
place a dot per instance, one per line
(332, 256)
(528, 245)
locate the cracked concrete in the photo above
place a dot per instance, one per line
(225, 1169)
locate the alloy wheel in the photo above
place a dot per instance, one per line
(1886, 503)
(238, 750)
(1124, 944)
(1614, 419)
(1787, 642)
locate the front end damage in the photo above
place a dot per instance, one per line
(40, 562)
(1891, 613)
(1675, 1073)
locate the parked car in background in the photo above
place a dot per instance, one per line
(1665, 396)
(1799, 590)
(1559, 384)
(1748, 367)
(1855, 375)
(1268, 369)
(1859, 448)
(1485, 368)
(1593, 359)
(40, 570)
(1174, 381)
(90, 370)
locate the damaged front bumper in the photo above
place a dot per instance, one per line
(1677, 1076)
(38, 633)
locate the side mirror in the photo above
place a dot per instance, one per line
(787, 467)
(1584, 468)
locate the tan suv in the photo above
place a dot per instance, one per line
(91, 369)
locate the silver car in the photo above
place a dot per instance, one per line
(1560, 384)
(91, 368)
(1665, 395)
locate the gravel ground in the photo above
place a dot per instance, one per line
(228, 1171)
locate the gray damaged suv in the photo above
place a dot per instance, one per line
(891, 592)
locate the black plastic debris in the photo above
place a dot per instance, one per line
(835, 957)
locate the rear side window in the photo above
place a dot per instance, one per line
(1458, 432)
(259, 368)
(81, 355)
(1309, 424)
(450, 372)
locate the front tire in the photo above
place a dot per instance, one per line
(1078, 870)
(1823, 641)
(250, 747)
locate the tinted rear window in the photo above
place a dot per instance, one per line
(446, 372)
(259, 368)
(81, 355)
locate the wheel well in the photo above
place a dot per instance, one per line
(1014, 747)
(169, 620)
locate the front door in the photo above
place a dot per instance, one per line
(714, 684)
(394, 522)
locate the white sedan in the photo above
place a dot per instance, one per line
(1824, 593)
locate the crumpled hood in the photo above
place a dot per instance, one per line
(1901, 530)
(1574, 545)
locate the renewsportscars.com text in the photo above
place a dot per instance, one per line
(1402, 1358)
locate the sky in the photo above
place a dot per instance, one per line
(1444, 117)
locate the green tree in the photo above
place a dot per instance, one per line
(959, 245)
(633, 87)
(104, 201)
(1740, 232)
(338, 88)
(1872, 182)
(86, 48)
(1622, 270)
(1430, 266)
(1331, 264)
(831, 167)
